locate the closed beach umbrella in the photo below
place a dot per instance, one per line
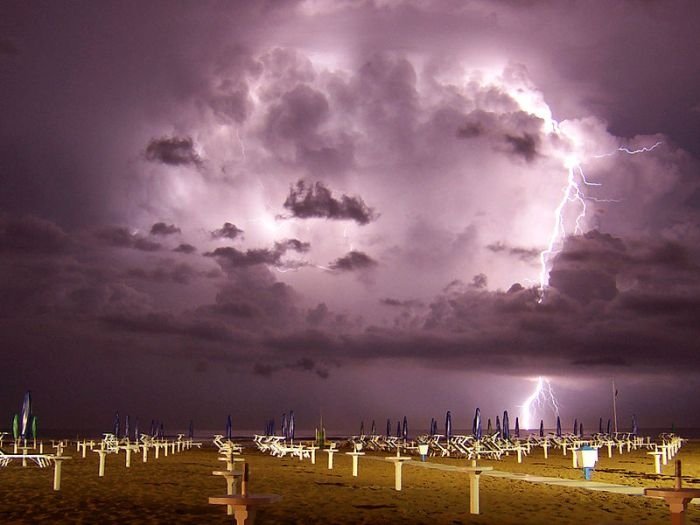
(126, 427)
(190, 433)
(398, 429)
(489, 427)
(116, 424)
(542, 427)
(373, 431)
(284, 429)
(476, 427)
(608, 432)
(161, 432)
(635, 428)
(229, 427)
(404, 430)
(153, 428)
(517, 427)
(580, 429)
(136, 430)
(448, 425)
(506, 425)
(34, 427)
(432, 423)
(498, 426)
(25, 416)
(558, 427)
(15, 427)
(362, 428)
(600, 426)
(388, 427)
(292, 424)
(575, 427)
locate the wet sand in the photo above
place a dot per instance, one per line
(175, 489)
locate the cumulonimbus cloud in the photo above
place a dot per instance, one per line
(307, 201)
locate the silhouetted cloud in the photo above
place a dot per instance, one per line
(160, 228)
(227, 231)
(353, 261)
(121, 237)
(185, 248)
(174, 151)
(316, 201)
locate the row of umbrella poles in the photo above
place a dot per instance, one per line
(288, 426)
(502, 431)
(156, 430)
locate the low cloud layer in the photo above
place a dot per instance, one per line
(264, 196)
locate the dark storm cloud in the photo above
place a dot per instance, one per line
(174, 151)
(185, 248)
(166, 271)
(515, 132)
(227, 231)
(233, 258)
(316, 201)
(160, 228)
(121, 237)
(353, 261)
(31, 234)
(523, 254)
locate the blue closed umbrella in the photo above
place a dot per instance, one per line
(229, 427)
(558, 427)
(498, 426)
(136, 430)
(26, 415)
(635, 428)
(116, 424)
(541, 427)
(190, 430)
(373, 431)
(362, 428)
(506, 425)
(575, 427)
(292, 424)
(153, 428)
(161, 432)
(608, 432)
(388, 427)
(580, 429)
(404, 430)
(600, 426)
(398, 429)
(285, 429)
(489, 427)
(448, 425)
(126, 427)
(476, 427)
(517, 427)
(432, 426)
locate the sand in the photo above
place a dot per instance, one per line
(175, 489)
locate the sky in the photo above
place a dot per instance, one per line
(355, 209)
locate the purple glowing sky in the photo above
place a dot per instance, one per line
(250, 207)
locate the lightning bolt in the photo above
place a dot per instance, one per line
(573, 193)
(542, 395)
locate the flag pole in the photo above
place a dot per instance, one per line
(614, 393)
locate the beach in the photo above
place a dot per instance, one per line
(175, 489)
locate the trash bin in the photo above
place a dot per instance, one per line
(423, 451)
(589, 457)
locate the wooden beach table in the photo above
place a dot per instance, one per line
(474, 473)
(355, 461)
(330, 452)
(398, 462)
(676, 498)
(244, 507)
(231, 488)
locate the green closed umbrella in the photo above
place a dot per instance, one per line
(34, 427)
(15, 427)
